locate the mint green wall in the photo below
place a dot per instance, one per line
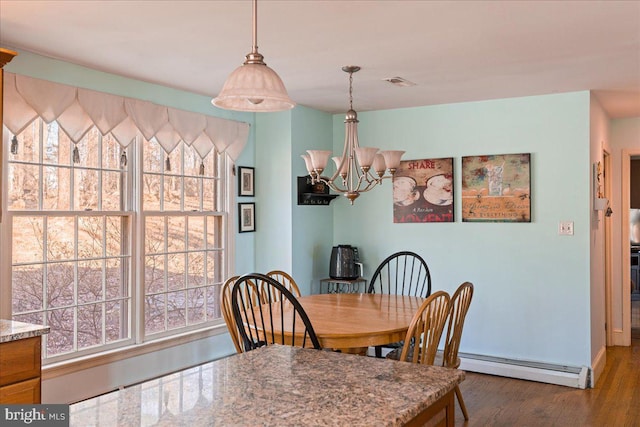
(273, 192)
(532, 290)
(291, 238)
(312, 225)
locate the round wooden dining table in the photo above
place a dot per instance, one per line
(353, 322)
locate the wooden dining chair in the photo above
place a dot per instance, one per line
(279, 319)
(402, 273)
(459, 306)
(252, 294)
(285, 279)
(425, 330)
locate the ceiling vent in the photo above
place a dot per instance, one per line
(399, 81)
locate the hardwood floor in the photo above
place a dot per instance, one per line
(615, 401)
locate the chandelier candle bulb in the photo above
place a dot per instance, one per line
(307, 162)
(319, 159)
(392, 159)
(379, 165)
(341, 166)
(365, 156)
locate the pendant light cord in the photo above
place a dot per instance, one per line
(254, 49)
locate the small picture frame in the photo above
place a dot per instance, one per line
(247, 217)
(246, 181)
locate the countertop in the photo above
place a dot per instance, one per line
(276, 386)
(10, 330)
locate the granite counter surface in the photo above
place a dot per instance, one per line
(10, 330)
(276, 386)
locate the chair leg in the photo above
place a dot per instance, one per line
(378, 352)
(461, 402)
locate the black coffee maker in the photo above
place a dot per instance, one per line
(345, 263)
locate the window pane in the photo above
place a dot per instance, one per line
(211, 164)
(115, 245)
(90, 241)
(175, 157)
(176, 271)
(153, 157)
(213, 302)
(116, 313)
(56, 150)
(154, 313)
(90, 281)
(191, 161)
(60, 279)
(176, 307)
(191, 194)
(115, 278)
(176, 233)
(26, 287)
(151, 185)
(35, 318)
(196, 269)
(88, 149)
(28, 144)
(154, 241)
(60, 238)
(89, 325)
(111, 152)
(60, 338)
(154, 274)
(209, 195)
(111, 191)
(86, 189)
(214, 232)
(172, 193)
(214, 267)
(27, 242)
(23, 187)
(196, 307)
(196, 233)
(56, 188)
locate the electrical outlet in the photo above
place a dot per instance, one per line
(565, 228)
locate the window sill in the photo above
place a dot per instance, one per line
(70, 366)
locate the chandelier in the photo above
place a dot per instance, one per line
(360, 168)
(253, 86)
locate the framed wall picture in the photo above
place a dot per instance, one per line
(423, 191)
(496, 188)
(247, 217)
(246, 181)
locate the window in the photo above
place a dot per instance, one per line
(73, 233)
(183, 243)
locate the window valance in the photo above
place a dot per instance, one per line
(77, 110)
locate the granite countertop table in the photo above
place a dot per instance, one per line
(10, 330)
(276, 386)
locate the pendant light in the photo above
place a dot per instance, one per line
(254, 87)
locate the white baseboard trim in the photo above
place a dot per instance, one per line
(598, 366)
(620, 338)
(570, 377)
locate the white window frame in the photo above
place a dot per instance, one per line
(134, 345)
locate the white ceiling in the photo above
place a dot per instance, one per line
(455, 51)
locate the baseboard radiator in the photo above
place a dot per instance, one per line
(570, 376)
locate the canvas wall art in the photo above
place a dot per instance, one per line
(423, 191)
(496, 188)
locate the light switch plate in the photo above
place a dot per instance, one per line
(565, 228)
